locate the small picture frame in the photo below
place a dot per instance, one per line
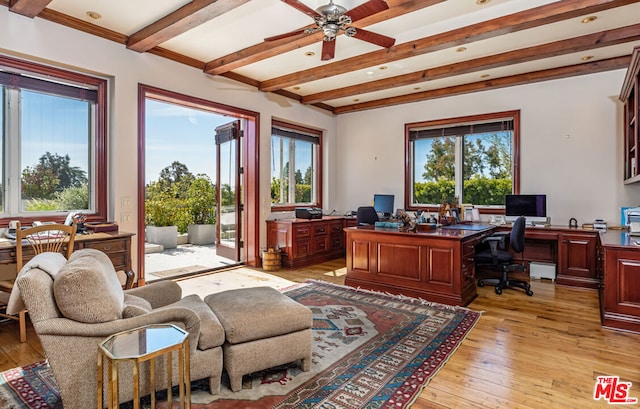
(455, 213)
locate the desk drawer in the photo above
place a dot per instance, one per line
(320, 229)
(107, 246)
(320, 244)
(301, 231)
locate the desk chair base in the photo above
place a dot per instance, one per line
(504, 282)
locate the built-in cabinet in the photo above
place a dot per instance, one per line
(577, 260)
(304, 242)
(630, 96)
(620, 290)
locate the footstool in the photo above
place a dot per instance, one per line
(263, 328)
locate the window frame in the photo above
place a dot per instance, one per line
(450, 122)
(275, 207)
(98, 146)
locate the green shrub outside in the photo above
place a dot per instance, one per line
(478, 191)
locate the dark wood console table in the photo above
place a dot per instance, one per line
(115, 245)
(435, 266)
(305, 242)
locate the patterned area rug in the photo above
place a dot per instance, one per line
(370, 350)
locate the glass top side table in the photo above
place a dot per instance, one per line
(140, 345)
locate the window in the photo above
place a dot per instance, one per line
(473, 159)
(53, 142)
(295, 166)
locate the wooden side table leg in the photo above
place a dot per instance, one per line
(100, 380)
(136, 385)
(181, 376)
(113, 384)
(169, 379)
(187, 370)
(152, 379)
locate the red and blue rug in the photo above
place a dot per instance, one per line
(370, 350)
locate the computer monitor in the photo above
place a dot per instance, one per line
(533, 207)
(383, 204)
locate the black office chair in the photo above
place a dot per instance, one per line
(495, 255)
(366, 215)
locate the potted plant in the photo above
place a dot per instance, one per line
(160, 210)
(201, 204)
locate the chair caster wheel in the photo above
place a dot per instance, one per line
(480, 284)
(498, 291)
(529, 293)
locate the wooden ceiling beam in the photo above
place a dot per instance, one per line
(573, 45)
(180, 21)
(270, 49)
(531, 18)
(29, 8)
(521, 79)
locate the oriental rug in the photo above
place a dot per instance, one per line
(370, 350)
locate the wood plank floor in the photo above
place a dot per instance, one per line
(543, 351)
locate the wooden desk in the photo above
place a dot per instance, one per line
(435, 266)
(115, 245)
(573, 250)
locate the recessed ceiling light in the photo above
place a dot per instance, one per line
(417, 88)
(94, 15)
(485, 76)
(382, 67)
(587, 57)
(296, 88)
(309, 53)
(461, 49)
(589, 19)
(482, 2)
(356, 100)
(369, 72)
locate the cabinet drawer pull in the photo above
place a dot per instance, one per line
(106, 248)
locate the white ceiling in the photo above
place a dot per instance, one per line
(248, 24)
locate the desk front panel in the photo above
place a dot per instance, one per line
(431, 267)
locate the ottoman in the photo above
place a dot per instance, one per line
(263, 328)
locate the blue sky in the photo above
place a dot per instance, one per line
(187, 135)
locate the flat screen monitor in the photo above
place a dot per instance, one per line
(383, 204)
(530, 206)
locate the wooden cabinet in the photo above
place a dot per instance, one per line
(630, 96)
(577, 260)
(620, 291)
(304, 242)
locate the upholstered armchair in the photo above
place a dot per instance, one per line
(76, 307)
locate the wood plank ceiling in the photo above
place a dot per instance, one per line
(443, 47)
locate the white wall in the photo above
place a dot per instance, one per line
(571, 145)
(50, 43)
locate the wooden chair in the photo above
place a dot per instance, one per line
(41, 239)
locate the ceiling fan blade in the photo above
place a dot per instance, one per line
(367, 9)
(374, 38)
(328, 50)
(302, 7)
(285, 35)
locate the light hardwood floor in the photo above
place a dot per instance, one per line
(543, 351)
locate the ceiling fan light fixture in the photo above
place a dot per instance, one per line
(332, 11)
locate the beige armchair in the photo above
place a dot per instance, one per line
(75, 308)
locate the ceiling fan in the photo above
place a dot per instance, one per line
(333, 18)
